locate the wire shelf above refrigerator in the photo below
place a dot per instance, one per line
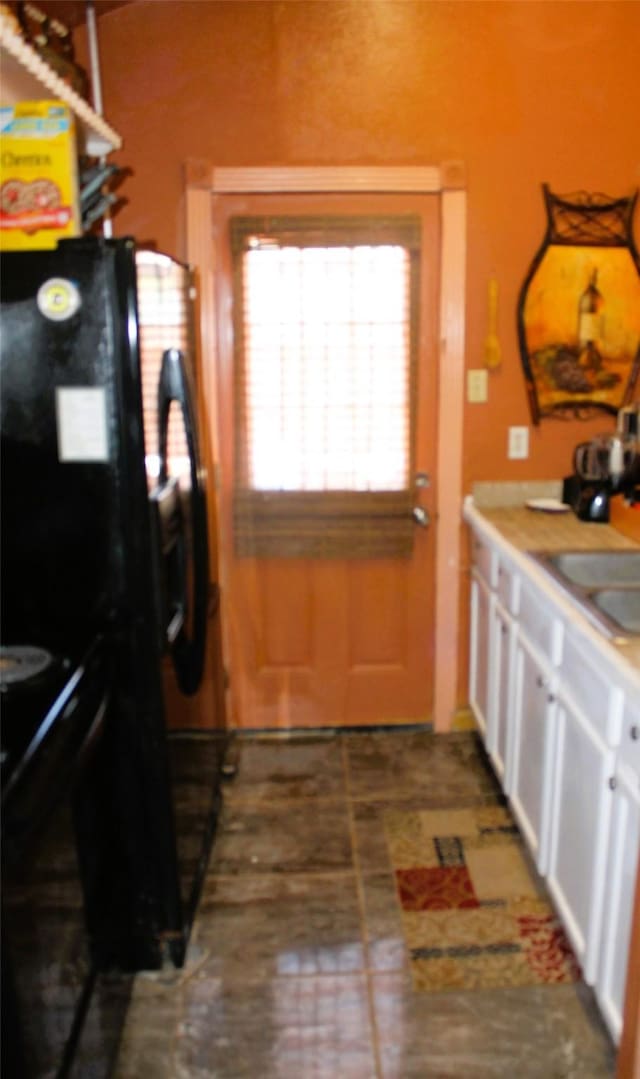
(23, 77)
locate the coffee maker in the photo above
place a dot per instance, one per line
(628, 426)
(607, 465)
(589, 499)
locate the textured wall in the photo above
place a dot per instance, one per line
(522, 92)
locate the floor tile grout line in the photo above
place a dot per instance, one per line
(362, 911)
(186, 975)
(374, 798)
(256, 802)
(278, 874)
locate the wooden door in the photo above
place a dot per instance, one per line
(331, 642)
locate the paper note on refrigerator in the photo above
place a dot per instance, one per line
(81, 415)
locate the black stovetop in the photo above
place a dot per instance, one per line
(43, 721)
(27, 700)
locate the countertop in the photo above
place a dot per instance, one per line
(531, 530)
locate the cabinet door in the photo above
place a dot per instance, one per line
(622, 864)
(500, 693)
(581, 810)
(533, 713)
(479, 650)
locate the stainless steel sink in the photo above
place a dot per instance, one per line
(622, 605)
(596, 569)
(604, 583)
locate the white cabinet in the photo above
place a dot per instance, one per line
(623, 843)
(484, 575)
(537, 651)
(481, 601)
(507, 689)
(533, 717)
(559, 710)
(587, 721)
(502, 637)
(493, 596)
(502, 643)
(509, 676)
(581, 797)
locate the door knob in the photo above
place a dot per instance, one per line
(421, 517)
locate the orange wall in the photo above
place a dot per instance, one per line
(521, 92)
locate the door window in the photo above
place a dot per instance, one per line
(325, 338)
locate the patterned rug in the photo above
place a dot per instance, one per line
(473, 914)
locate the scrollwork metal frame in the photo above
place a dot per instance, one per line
(577, 221)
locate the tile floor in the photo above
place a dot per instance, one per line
(297, 968)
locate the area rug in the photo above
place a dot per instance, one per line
(474, 915)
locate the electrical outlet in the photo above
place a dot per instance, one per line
(477, 386)
(518, 443)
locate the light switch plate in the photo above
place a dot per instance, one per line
(518, 447)
(477, 386)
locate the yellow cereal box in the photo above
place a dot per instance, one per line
(39, 202)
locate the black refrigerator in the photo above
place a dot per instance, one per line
(108, 606)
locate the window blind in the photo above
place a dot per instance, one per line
(163, 287)
(325, 321)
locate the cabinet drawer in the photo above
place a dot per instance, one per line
(586, 681)
(538, 623)
(485, 560)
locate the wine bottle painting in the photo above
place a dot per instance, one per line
(590, 331)
(579, 309)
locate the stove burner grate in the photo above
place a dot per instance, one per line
(20, 662)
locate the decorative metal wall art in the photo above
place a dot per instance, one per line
(579, 308)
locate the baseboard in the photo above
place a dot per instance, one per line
(464, 720)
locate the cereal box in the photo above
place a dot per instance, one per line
(38, 175)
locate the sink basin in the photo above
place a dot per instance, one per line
(605, 585)
(622, 605)
(596, 569)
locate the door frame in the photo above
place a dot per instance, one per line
(202, 182)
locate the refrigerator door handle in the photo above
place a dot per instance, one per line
(187, 650)
(170, 559)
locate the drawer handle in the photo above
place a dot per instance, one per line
(551, 697)
(635, 732)
(613, 783)
(540, 682)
